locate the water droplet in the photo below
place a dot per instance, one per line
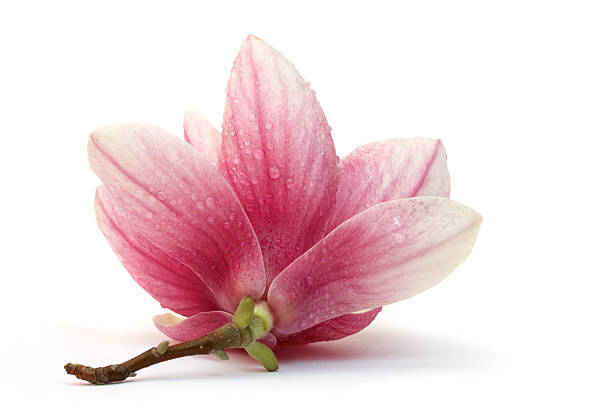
(232, 217)
(310, 315)
(233, 74)
(241, 132)
(149, 215)
(309, 280)
(194, 196)
(250, 208)
(269, 198)
(250, 195)
(226, 225)
(210, 202)
(268, 126)
(252, 116)
(273, 172)
(210, 219)
(254, 180)
(399, 238)
(303, 324)
(199, 205)
(229, 247)
(269, 145)
(236, 160)
(162, 196)
(289, 184)
(258, 154)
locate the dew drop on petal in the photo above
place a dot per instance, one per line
(226, 225)
(268, 126)
(149, 215)
(399, 238)
(194, 196)
(273, 172)
(210, 219)
(210, 202)
(309, 280)
(162, 196)
(199, 205)
(289, 183)
(258, 154)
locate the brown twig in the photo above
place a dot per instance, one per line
(225, 337)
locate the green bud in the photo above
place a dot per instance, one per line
(244, 312)
(263, 354)
(263, 312)
(221, 354)
(162, 347)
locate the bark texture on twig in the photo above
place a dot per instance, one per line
(227, 336)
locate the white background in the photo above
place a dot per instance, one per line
(519, 91)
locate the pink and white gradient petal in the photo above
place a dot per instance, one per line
(389, 170)
(170, 282)
(390, 252)
(198, 325)
(277, 153)
(202, 135)
(333, 329)
(163, 191)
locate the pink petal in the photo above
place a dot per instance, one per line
(277, 153)
(202, 135)
(389, 170)
(334, 329)
(387, 253)
(170, 282)
(197, 326)
(160, 190)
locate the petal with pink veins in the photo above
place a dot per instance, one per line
(170, 282)
(390, 252)
(197, 326)
(277, 153)
(389, 170)
(202, 135)
(333, 329)
(160, 190)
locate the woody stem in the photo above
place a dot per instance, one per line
(225, 337)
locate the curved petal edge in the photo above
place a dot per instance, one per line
(387, 253)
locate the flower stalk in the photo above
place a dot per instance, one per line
(249, 323)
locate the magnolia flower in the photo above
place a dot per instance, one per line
(265, 209)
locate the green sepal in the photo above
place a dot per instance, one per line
(258, 328)
(221, 354)
(244, 312)
(263, 354)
